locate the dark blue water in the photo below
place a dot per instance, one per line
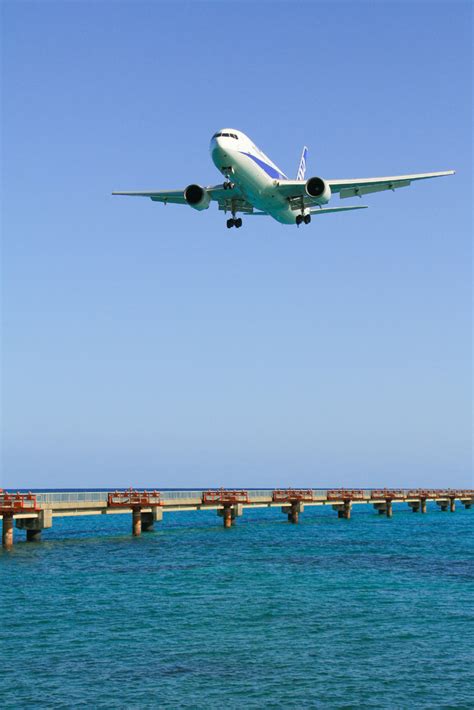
(366, 613)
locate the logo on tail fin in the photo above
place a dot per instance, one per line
(302, 168)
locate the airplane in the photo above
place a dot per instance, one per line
(255, 186)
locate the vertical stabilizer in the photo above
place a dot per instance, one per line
(302, 167)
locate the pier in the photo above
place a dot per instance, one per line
(35, 512)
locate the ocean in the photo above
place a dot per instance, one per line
(363, 613)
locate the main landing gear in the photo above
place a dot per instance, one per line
(228, 185)
(234, 222)
(303, 218)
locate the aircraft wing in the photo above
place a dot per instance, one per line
(362, 186)
(226, 199)
(295, 191)
(173, 196)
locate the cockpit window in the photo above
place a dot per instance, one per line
(225, 135)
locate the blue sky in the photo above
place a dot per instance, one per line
(148, 345)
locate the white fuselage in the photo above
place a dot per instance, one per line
(242, 163)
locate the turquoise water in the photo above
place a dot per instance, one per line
(369, 613)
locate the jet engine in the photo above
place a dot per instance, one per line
(318, 189)
(197, 197)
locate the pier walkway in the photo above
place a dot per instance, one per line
(34, 512)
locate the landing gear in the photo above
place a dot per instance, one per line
(234, 222)
(228, 185)
(300, 218)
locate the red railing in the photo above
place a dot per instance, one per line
(134, 499)
(222, 496)
(442, 493)
(387, 494)
(17, 503)
(345, 494)
(423, 493)
(292, 495)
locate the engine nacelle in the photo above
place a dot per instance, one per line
(318, 189)
(197, 197)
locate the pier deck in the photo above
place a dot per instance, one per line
(35, 512)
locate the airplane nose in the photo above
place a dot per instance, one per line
(216, 150)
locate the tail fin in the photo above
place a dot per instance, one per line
(302, 168)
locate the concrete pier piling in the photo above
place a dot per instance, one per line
(293, 511)
(452, 505)
(229, 503)
(423, 505)
(388, 508)
(136, 522)
(227, 516)
(344, 510)
(7, 530)
(295, 499)
(35, 526)
(347, 510)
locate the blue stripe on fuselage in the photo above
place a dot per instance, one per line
(265, 166)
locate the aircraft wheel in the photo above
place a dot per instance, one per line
(230, 223)
(299, 219)
(238, 222)
(307, 218)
